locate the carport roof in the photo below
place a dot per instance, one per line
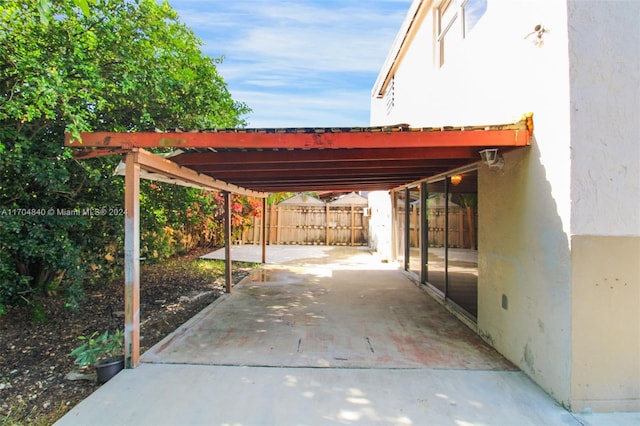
(316, 159)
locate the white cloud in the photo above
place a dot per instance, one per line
(332, 109)
(298, 60)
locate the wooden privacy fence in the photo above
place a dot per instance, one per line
(462, 229)
(311, 225)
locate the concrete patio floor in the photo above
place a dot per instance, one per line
(328, 336)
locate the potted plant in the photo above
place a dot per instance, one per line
(103, 352)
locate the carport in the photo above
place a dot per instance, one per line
(256, 162)
(327, 307)
(332, 337)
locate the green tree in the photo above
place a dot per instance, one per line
(44, 8)
(125, 66)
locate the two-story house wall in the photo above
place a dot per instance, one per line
(557, 287)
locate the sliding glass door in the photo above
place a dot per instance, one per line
(435, 227)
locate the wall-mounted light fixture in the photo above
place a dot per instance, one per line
(455, 179)
(491, 158)
(537, 33)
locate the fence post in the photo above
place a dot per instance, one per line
(272, 224)
(256, 227)
(472, 228)
(353, 225)
(327, 224)
(414, 227)
(461, 227)
(278, 210)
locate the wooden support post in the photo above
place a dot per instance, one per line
(132, 260)
(228, 280)
(263, 231)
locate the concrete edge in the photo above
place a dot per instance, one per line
(151, 355)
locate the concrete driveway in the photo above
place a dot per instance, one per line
(338, 338)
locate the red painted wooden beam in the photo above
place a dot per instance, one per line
(381, 166)
(336, 186)
(325, 155)
(253, 140)
(331, 182)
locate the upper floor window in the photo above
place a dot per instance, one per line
(455, 20)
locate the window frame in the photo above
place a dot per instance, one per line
(457, 19)
(443, 28)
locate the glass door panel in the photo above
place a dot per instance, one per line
(400, 228)
(414, 230)
(462, 252)
(436, 235)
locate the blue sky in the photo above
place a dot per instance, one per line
(298, 63)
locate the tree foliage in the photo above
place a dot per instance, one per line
(89, 65)
(169, 228)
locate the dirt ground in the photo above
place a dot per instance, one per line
(34, 356)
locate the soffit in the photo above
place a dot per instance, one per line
(317, 159)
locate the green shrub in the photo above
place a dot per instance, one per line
(98, 347)
(120, 66)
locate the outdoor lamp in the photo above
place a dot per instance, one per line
(491, 158)
(455, 179)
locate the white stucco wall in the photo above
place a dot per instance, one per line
(604, 52)
(578, 184)
(524, 259)
(380, 223)
(605, 117)
(494, 77)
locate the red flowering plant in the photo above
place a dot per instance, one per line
(243, 212)
(176, 219)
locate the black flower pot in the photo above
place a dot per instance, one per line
(106, 369)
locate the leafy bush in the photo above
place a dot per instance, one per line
(98, 347)
(174, 219)
(113, 66)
